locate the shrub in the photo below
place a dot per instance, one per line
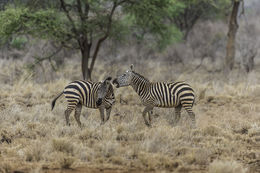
(62, 145)
(219, 166)
(66, 161)
(34, 153)
(18, 42)
(6, 167)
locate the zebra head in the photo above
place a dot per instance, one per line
(124, 79)
(103, 90)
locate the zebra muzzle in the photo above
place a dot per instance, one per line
(115, 82)
(99, 102)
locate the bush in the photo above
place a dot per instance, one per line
(65, 161)
(63, 145)
(219, 166)
(34, 152)
(18, 42)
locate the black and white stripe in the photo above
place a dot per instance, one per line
(79, 92)
(159, 94)
(85, 92)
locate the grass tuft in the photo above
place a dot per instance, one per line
(220, 166)
(63, 145)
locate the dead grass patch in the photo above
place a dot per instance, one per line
(227, 129)
(220, 166)
(63, 145)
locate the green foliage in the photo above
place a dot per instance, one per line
(141, 17)
(170, 35)
(188, 12)
(85, 25)
(10, 21)
(151, 18)
(144, 18)
(120, 29)
(46, 24)
(206, 8)
(18, 42)
(220, 8)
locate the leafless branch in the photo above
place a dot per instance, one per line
(38, 60)
(108, 28)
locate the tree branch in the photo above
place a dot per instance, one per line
(66, 43)
(123, 1)
(83, 39)
(51, 55)
(91, 37)
(38, 60)
(70, 46)
(81, 15)
(115, 5)
(86, 8)
(63, 6)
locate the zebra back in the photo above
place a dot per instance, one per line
(162, 94)
(85, 92)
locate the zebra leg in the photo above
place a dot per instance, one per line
(146, 109)
(101, 110)
(72, 104)
(192, 116)
(77, 113)
(108, 111)
(177, 114)
(67, 115)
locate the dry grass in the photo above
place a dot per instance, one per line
(34, 139)
(226, 167)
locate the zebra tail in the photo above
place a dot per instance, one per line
(54, 100)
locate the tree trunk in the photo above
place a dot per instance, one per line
(85, 55)
(233, 27)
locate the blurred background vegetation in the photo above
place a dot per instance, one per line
(129, 31)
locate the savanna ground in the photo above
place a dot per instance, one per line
(227, 138)
(35, 139)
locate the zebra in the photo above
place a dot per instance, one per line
(97, 95)
(159, 94)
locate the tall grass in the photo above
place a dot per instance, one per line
(227, 117)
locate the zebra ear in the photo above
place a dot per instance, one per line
(132, 67)
(108, 78)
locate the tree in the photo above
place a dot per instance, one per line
(86, 24)
(190, 11)
(231, 37)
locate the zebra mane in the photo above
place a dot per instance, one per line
(141, 76)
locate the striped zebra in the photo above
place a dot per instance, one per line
(159, 94)
(97, 95)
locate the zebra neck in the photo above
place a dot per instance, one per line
(109, 94)
(140, 85)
